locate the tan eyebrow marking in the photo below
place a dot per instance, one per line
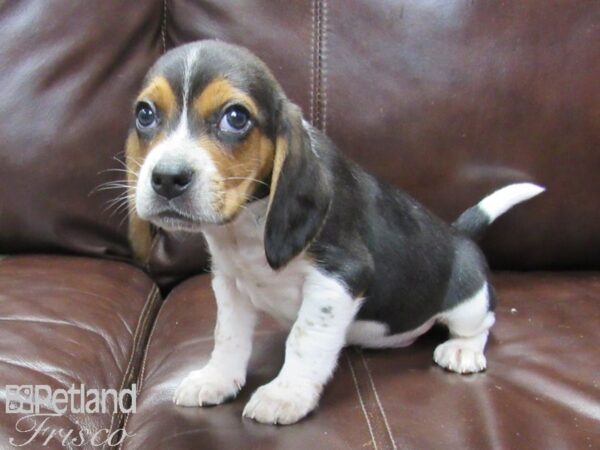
(220, 92)
(160, 92)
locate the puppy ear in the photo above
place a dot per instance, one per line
(300, 192)
(139, 231)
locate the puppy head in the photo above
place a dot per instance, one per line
(213, 131)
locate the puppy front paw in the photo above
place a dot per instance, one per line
(282, 402)
(207, 387)
(456, 357)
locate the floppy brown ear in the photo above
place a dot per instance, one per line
(300, 193)
(139, 231)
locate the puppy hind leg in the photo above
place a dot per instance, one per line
(469, 324)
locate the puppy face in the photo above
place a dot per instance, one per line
(212, 131)
(204, 126)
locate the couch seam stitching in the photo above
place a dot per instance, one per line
(145, 358)
(317, 56)
(378, 401)
(163, 27)
(140, 322)
(317, 75)
(361, 402)
(150, 299)
(311, 105)
(318, 66)
(132, 350)
(323, 51)
(123, 428)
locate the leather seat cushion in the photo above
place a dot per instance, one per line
(538, 391)
(68, 321)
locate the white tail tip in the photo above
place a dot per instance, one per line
(497, 203)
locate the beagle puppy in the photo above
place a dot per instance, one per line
(298, 231)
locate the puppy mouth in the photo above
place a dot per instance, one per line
(173, 215)
(174, 219)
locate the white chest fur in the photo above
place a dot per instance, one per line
(237, 251)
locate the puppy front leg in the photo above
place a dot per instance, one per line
(311, 354)
(225, 373)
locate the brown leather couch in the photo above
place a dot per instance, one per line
(447, 99)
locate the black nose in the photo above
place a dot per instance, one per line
(171, 181)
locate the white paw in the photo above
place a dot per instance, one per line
(457, 357)
(281, 402)
(206, 387)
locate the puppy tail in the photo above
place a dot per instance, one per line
(477, 218)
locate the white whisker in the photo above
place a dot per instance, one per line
(246, 178)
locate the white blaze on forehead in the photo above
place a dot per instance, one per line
(180, 141)
(177, 147)
(188, 67)
(182, 132)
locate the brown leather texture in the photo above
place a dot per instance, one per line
(448, 101)
(70, 321)
(451, 100)
(540, 390)
(69, 71)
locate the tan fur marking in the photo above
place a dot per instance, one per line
(280, 155)
(159, 91)
(238, 169)
(140, 237)
(139, 233)
(218, 93)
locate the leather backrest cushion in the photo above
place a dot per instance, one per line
(68, 74)
(448, 100)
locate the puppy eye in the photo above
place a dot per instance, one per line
(145, 116)
(236, 119)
